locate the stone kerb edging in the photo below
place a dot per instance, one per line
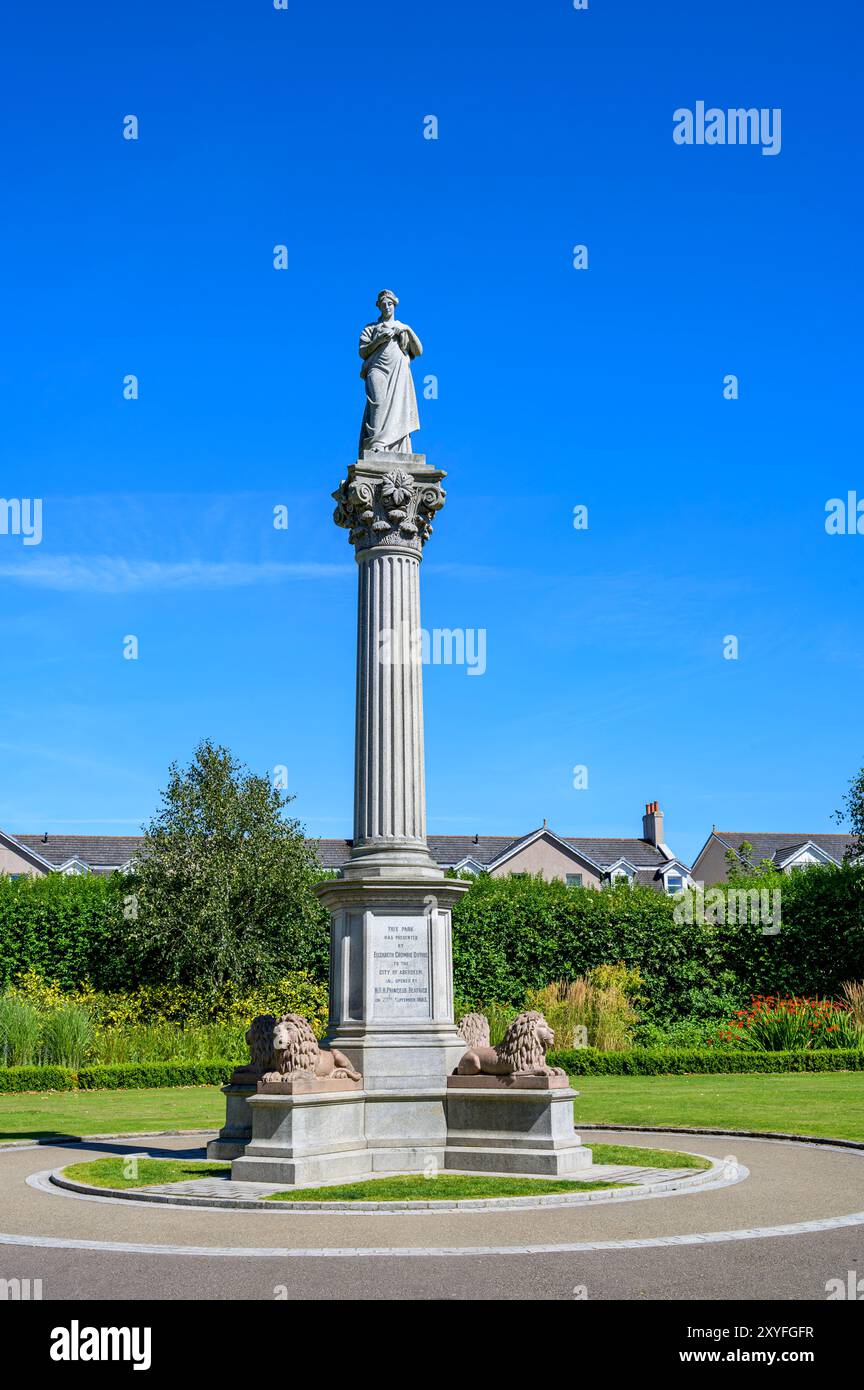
(722, 1173)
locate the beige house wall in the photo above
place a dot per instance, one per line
(11, 862)
(546, 858)
(711, 866)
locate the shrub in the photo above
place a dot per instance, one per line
(165, 1042)
(773, 1024)
(682, 1033)
(16, 1079)
(516, 934)
(184, 1006)
(639, 1061)
(597, 1003)
(20, 1032)
(42, 1025)
(155, 1074)
(67, 1036)
(66, 928)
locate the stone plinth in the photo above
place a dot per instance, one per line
(302, 1084)
(502, 1129)
(512, 1081)
(305, 1139)
(237, 1129)
(391, 980)
(332, 1136)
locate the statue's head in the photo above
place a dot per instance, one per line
(386, 302)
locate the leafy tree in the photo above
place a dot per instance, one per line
(742, 864)
(852, 810)
(222, 890)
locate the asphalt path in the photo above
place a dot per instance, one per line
(795, 1223)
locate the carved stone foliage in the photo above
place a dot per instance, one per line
(395, 508)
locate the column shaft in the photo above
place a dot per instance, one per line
(389, 781)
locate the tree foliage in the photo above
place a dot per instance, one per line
(852, 812)
(222, 890)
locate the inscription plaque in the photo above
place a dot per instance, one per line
(400, 967)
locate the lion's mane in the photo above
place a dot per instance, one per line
(301, 1054)
(474, 1029)
(521, 1047)
(259, 1040)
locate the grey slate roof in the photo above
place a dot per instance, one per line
(452, 849)
(103, 851)
(111, 851)
(768, 845)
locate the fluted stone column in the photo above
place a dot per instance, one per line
(387, 504)
(391, 980)
(389, 776)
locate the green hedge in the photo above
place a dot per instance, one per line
(68, 928)
(36, 1079)
(113, 1078)
(509, 935)
(145, 1074)
(586, 1061)
(648, 1061)
(513, 934)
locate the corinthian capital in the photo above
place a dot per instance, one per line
(389, 501)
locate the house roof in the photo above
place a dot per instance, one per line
(487, 849)
(102, 851)
(112, 851)
(778, 845)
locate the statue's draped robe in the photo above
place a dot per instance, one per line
(391, 405)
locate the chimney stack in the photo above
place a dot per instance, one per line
(652, 824)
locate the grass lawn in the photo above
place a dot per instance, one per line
(445, 1187)
(133, 1172)
(645, 1158)
(830, 1104)
(141, 1172)
(38, 1115)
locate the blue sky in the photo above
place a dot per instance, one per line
(557, 387)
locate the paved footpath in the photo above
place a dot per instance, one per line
(782, 1233)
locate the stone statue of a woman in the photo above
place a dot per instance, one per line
(387, 348)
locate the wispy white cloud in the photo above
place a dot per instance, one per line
(114, 574)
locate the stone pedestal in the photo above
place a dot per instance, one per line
(236, 1132)
(305, 1139)
(391, 980)
(508, 1128)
